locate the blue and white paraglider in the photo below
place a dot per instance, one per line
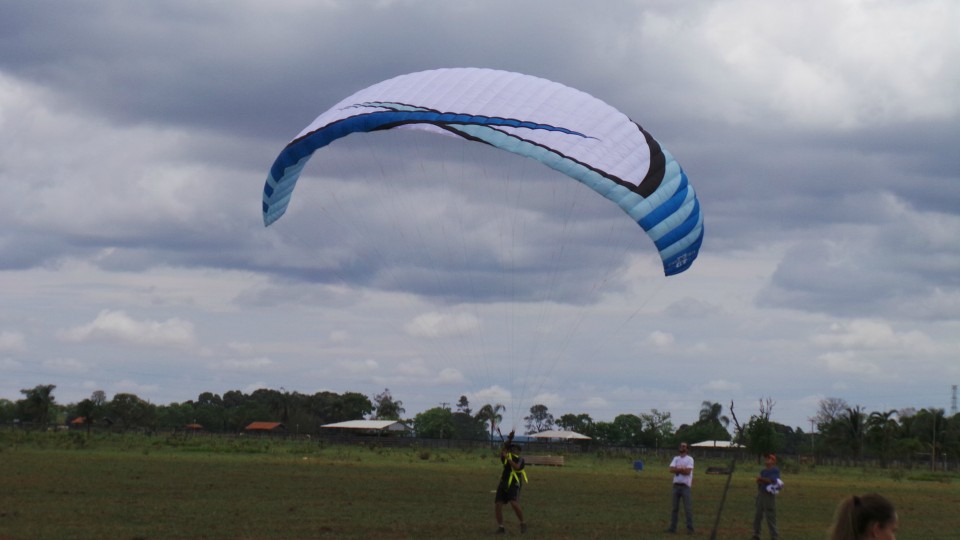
(563, 128)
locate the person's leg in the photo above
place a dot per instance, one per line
(772, 518)
(517, 510)
(675, 496)
(498, 512)
(758, 515)
(688, 507)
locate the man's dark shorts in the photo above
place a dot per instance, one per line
(506, 495)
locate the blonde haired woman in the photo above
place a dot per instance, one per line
(865, 517)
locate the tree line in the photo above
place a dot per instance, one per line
(839, 430)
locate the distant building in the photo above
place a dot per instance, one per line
(371, 427)
(82, 422)
(265, 428)
(716, 444)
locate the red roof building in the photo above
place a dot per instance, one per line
(265, 427)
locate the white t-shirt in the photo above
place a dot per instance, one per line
(683, 462)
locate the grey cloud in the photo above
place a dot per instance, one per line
(137, 137)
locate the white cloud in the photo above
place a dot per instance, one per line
(436, 324)
(492, 395)
(66, 365)
(359, 366)
(253, 387)
(11, 341)
(450, 376)
(339, 337)
(829, 63)
(660, 339)
(127, 386)
(848, 362)
(596, 402)
(120, 327)
(418, 373)
(241, 347)
(721, 385)
(10, 363)
(551, 400)
(870, 334)
(244, 364)
(415, 368)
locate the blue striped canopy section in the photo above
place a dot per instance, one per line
(563, 128)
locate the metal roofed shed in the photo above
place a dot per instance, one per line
(371, 426)
(561, 435)
(716, 444)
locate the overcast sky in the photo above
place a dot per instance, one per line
(822, 138)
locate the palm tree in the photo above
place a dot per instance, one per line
(854, 424)
(882, 429)
(491, 414)
(930, 425)
(712, 413)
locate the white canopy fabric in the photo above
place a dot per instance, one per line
(716, 444)
(383, 425)
(557, 434)
(563, 128)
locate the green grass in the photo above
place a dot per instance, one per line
(57, 486)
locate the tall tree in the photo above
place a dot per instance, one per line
(99, 398)
(848, 430)
(657, 428)
(208, 411)
(828, 410)
(490, 415)
(354, 406)
(930, 427)
(581, 423)
(539, 420)
(387, 408)
(91, 410)
(712, 413)
(628, 429)
(711, 425)
(463, 405)
(435, 423)
(882, 431)
(130, 412)
(760, 433)
(8, 410)
(37, 403)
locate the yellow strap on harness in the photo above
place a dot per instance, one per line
(513, 473)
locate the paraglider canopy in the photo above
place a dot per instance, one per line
(563, 128)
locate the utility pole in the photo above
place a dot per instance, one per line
(813, 440)
(445, 405)
(933, 447)
(953, 401)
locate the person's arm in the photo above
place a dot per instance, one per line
(675, 468)
(770, 478)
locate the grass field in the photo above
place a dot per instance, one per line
(63, 485)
